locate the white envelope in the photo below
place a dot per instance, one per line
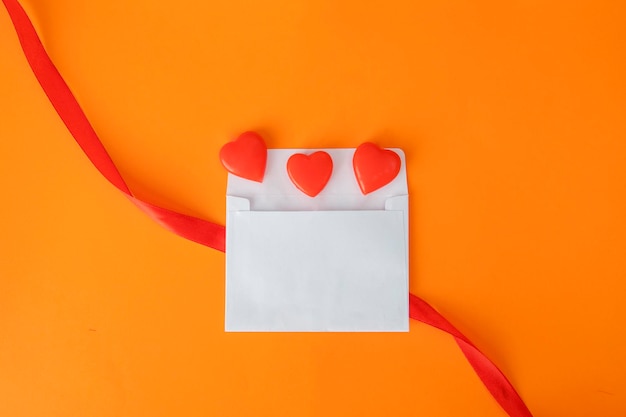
(337, 262)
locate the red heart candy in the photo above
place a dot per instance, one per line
(310, 173)
(245, 157)
(374, 167)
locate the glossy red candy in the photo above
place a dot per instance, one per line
(310, 173)
(245, 157)
(374, 167)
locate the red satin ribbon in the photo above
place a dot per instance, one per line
(207, 233)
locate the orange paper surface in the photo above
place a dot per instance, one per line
(512, 119)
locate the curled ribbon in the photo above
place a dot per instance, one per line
(208, 233)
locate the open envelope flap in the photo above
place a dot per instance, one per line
(342, 192)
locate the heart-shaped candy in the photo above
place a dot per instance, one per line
(374, 167)
(310, 173)
(245, 157)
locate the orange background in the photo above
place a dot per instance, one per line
(512, 117)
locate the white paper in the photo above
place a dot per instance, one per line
(336, 262)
